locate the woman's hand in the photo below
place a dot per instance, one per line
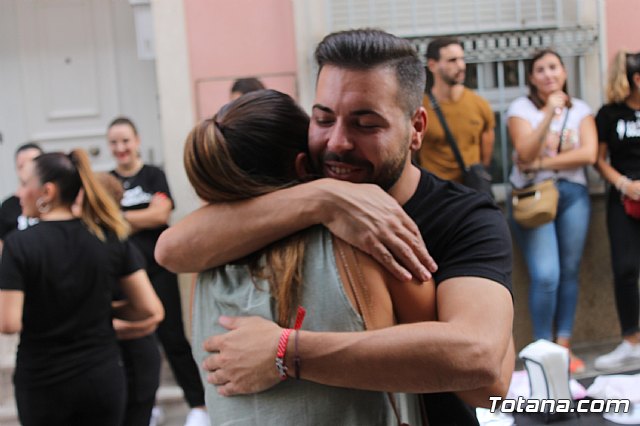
(632, 190)
(529, 166)
(556, 102)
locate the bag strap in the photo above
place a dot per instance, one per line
(364, 304)
(561, 138)
(447, 132)
(564, 124)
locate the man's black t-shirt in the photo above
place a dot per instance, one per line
(68, 276)
(11, 217)
(138, 192)
(467, 235)
(619, 126)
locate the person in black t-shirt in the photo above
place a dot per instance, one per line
(619, 135)
(11, 217)
(147, 205)
(366, 120)
(57, 279)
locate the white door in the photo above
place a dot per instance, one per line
(67, 68)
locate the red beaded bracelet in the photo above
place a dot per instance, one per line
(283, 342)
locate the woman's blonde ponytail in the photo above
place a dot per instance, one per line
(98, 207)
(618, 84)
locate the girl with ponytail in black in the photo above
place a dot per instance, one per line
(56, 284)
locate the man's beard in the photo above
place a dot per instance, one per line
(453, 81)
(390, 170)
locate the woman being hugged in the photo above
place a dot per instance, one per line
(554, 137)
(57, 280)
(619, 134)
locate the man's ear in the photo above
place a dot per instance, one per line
(418, 128)
(431, 64)
(303, 169)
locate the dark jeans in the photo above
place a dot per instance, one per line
(171, 335)
(96, 397)
(624, 238)
(142, 365)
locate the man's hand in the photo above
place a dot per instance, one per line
(243, 359)
(369, 218)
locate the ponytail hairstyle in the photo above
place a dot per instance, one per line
(249, 149)
(534, 96)
(72, 172)
(621, 71)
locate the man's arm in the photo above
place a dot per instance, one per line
(480, 397)
(487, 140)
(361, 214)
(464, 350)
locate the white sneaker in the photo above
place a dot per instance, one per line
(157, 416)
(197, 417)
(625, 353)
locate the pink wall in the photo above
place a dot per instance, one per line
(623, 19)
(239, 38)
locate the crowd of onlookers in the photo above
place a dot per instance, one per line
(88, 273)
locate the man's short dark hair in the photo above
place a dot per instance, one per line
(365, 49)
(246, 85)
(433, 50)
(26, 146)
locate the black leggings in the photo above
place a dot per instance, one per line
(175, 343)
(96, 397)
(624, 237)
(142, 365)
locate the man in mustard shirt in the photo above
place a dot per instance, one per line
(468, 115)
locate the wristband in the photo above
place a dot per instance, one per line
(282, 349)
(284, 341)
(296, 356)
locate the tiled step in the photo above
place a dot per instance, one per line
(8, 414)
(174, 408)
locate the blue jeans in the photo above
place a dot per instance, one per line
(553, 252)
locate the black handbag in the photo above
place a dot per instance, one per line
(475, 176)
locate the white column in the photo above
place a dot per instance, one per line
(176, 97)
